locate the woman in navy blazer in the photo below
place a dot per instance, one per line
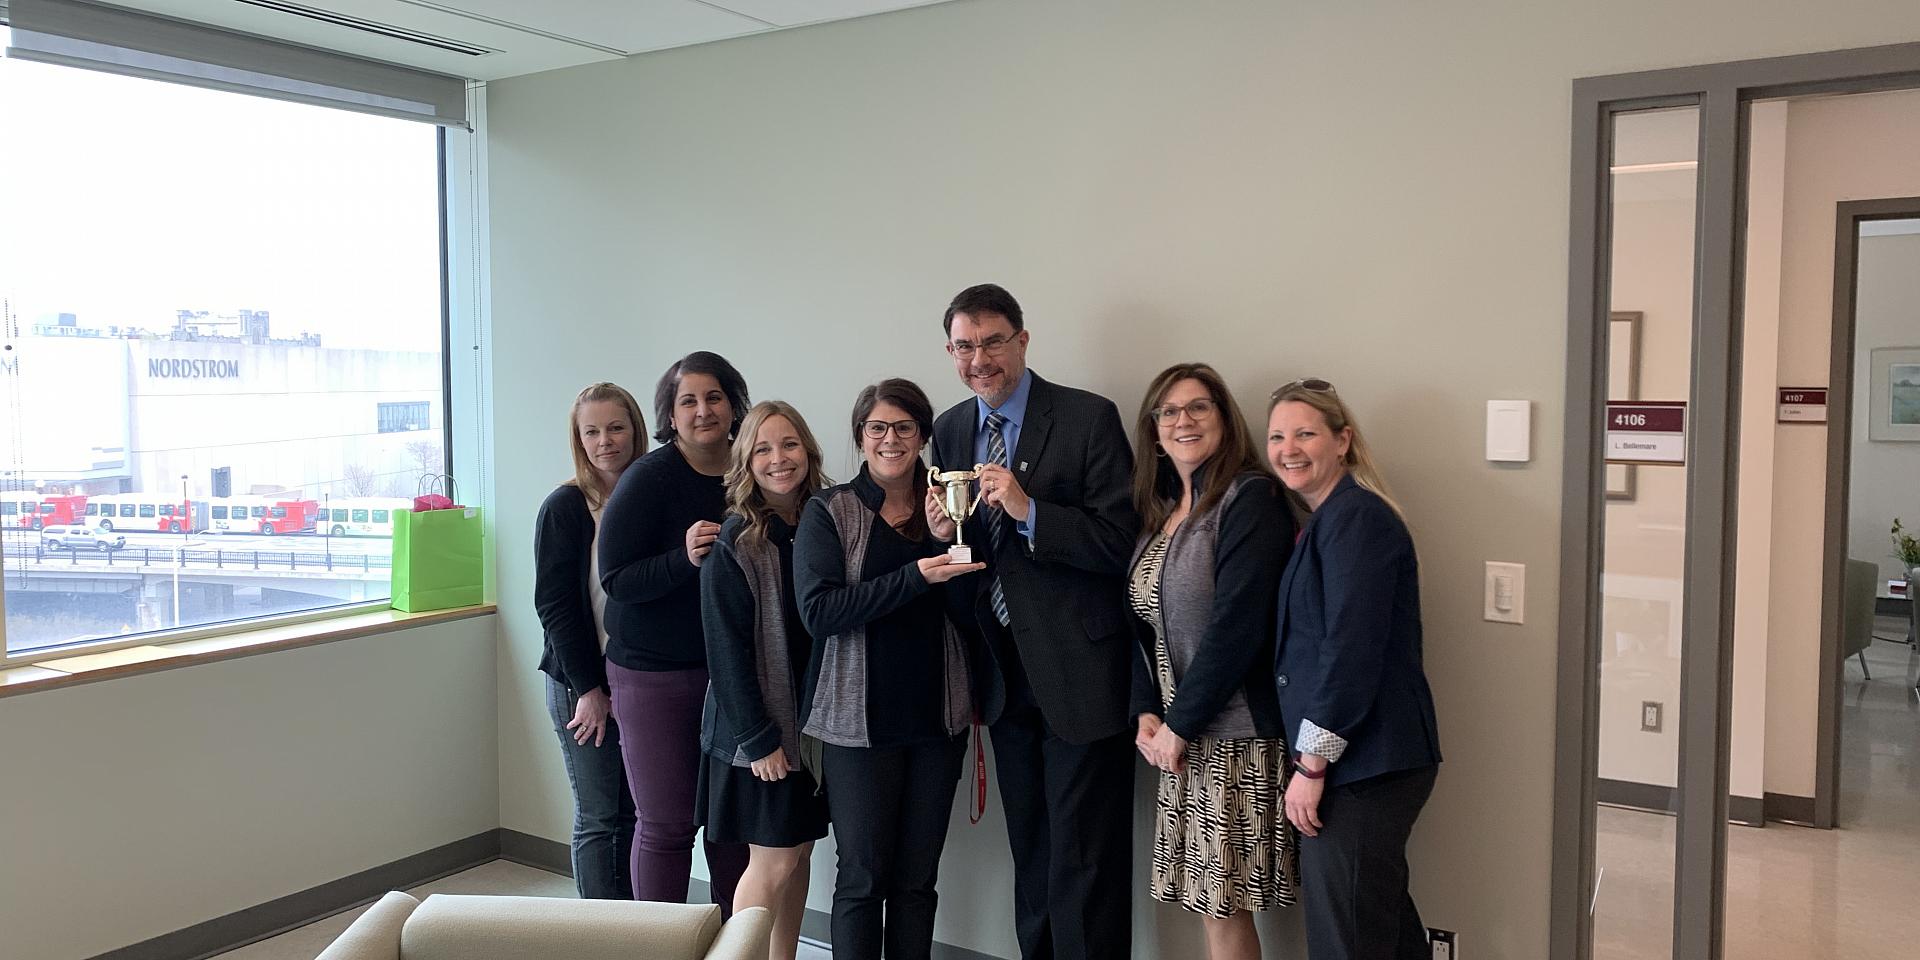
(1352, 690)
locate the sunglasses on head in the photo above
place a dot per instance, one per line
(1313, 384)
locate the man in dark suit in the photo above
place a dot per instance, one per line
(1056, 521)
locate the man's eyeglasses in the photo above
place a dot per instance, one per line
(877, 429)
(1312, 384)
(1199, 409)
(991, 346)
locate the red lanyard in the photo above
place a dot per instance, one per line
(978, 808)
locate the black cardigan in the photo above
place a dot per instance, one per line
(901, 678)
(562, 535)
(1254, 541)
(738, 715)
(653, 590)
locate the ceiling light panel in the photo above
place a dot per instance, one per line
(518, 51)
(793, 13)
(629, 25)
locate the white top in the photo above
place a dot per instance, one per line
(595, 592)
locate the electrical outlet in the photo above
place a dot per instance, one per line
(1444, 943)
(1650, 711)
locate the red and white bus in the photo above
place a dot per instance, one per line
(32, 511)
(146, 512)
(361, 516)
(262, 514)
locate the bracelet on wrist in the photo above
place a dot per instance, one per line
(1301, 769)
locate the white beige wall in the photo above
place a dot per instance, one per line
(1841, 148)
(1885, 482)
(134, 807)
(1372, 193)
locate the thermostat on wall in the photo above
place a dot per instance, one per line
(1509, 430)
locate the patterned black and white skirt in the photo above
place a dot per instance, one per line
(1221, 840)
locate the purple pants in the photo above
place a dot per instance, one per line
(659, 717)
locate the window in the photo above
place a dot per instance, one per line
(275, 266)
(403, 417)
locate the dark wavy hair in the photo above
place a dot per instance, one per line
(1156, 483)
(908, 396)
(713, 365)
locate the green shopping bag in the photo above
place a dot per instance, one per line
(437, 559)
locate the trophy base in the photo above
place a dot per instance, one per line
(960, 553)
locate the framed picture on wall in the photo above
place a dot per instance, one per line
(1623, 383)
(1894, 413)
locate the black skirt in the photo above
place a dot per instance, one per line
(737, 807)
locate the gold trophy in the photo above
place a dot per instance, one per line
(957, 498)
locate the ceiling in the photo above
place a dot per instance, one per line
(516, 36)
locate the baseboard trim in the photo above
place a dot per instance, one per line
(1787, 807)
(537, 852)
(235, 930)
(1749, 811)
(1639, 796)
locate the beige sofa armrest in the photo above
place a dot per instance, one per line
(514, 928)
(744, 937)
(375, 935)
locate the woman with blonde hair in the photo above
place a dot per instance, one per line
(606, 432)
(755, 790)
(1351, 683)
(1215, 537)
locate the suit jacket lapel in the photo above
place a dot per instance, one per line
(1033, 431)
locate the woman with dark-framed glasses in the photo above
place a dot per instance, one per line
(888, 691)
(1351, 683)
(1216, 532)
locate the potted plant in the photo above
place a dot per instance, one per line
(1906, 548)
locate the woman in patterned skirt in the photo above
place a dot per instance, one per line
(1216, 532)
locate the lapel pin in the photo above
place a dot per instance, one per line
(1023, 466)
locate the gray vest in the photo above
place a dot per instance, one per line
(1186, 604)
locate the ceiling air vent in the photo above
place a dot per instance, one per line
(369, 26)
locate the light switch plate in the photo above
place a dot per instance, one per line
(1506, 593)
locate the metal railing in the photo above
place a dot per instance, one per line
(133, 556)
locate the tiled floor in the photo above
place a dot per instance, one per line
(1795, 893)
(499, 878)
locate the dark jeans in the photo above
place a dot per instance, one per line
(1069, 810)
(659, 710)
(602, 806)
(1353, 876)
(890, 807)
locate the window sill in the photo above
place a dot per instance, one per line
(72, 669)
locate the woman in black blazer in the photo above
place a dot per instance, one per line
(755, 790)
(1216, 538)
(607, 432)
(1351, 685)
(889, 689)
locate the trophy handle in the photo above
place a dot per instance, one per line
(933, 476)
